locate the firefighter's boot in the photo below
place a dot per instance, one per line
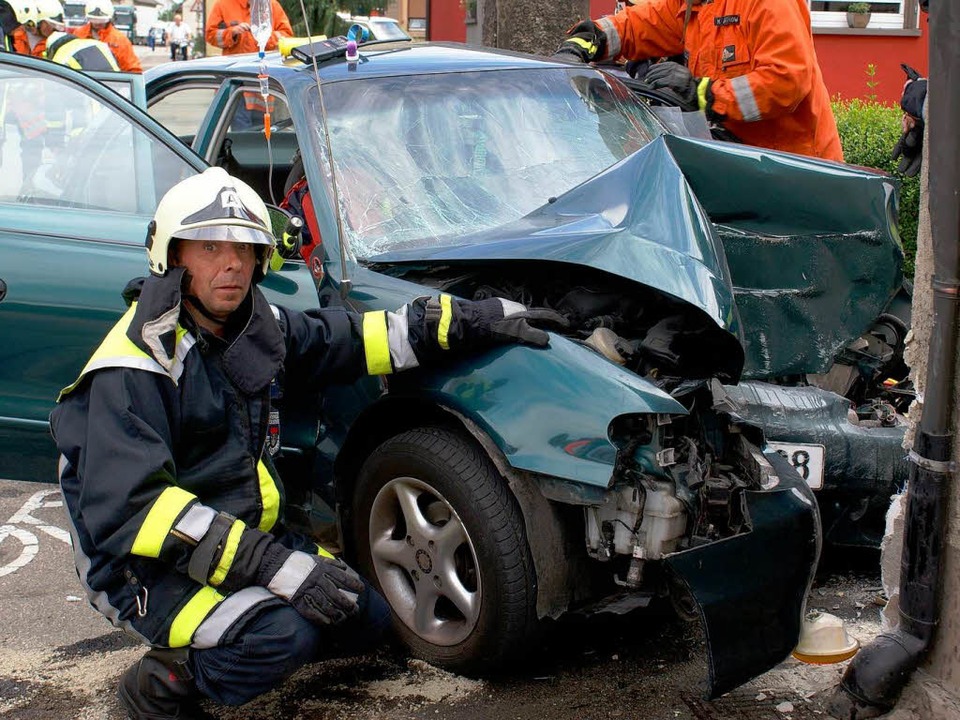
(160, 686)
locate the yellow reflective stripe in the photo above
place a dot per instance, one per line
(446, 315)
(160, 520)
(229, 551)
(269, 497)
(590, 47)
(376, 343)
(187, 621)
(702, 93)
(323, 552)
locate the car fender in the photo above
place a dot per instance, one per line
(547, 410)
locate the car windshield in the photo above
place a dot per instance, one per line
(428, 160)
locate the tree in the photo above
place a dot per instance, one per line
(528, 25)
(321, 14)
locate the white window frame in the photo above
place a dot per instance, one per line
(878, 21)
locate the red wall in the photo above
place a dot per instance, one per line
(446, 21)
(844, 58)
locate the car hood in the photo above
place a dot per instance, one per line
(638, 220)
(807, 237)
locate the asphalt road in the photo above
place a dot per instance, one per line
(59, 659)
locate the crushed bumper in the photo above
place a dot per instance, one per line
(751, 589)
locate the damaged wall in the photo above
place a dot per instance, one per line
(936, 687)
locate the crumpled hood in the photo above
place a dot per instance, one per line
(639, 220)
(802, 253)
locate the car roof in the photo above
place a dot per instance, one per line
(381, 59)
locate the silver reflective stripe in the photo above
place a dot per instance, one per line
(148, 364)
(153, 330)
(745, 99)
(511, 308)
(398, 338)
(226, 614)
(183, 347)
(613, 38)
(276, 312)
(219, 38)
(196, 522)
(100, 600)
(291, 575)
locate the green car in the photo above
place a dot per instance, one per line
(712, 291)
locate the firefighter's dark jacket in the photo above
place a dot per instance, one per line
(171, 495)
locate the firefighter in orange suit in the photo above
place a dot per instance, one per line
(100, 27)
(751, 65)
(228, 27)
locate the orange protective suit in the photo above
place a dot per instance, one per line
(759, 54)
(21, 45)
(227, 14)
(120, 45)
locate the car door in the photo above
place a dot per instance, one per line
(82, 171)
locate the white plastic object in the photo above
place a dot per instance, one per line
(824, 640)
(261, 22)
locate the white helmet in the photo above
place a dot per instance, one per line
(26, 12)
(99, 11)
(209, 206)
(49, 10)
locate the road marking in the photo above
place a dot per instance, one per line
(36, 502)
(30, 547)
(29, 541)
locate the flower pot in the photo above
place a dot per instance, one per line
(858, 20)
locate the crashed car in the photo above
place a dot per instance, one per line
(629, 461)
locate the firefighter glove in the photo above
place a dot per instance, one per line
(677, 78)
(584, 43)
(496, 320)
(909, 148)
(322, 590)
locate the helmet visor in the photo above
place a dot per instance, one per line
(227, 233)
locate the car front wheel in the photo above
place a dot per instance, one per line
(442, 537)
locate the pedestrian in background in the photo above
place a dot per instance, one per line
(151, 40)
(750, 65)
(180, 35)
(100, 27)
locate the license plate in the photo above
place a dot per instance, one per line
(806, 458)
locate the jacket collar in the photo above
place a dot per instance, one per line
(254, 352)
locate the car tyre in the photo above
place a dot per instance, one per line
(441, 535)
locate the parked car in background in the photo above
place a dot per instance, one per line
(380, 28)
(627, 462)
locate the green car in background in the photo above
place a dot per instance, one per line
(725, 305)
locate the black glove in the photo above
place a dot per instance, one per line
(481, 323)
(322, 590)
(909, 147)
(584, 43)
(675, 77)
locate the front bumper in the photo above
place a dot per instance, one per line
(751, 589)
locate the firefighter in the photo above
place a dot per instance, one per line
(39, 19)
(175, 505)
(100, 27)
(10, 23)
(228, 27)
(80, 53)
(751, 65)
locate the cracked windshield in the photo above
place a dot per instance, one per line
(428, 161)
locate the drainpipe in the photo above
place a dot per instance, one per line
(874, 679)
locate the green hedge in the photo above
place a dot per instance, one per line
(868, 132)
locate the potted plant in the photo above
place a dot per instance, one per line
(858, 14)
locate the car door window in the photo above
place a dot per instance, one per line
(182, 110)
(240, 145)
(63, 147)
